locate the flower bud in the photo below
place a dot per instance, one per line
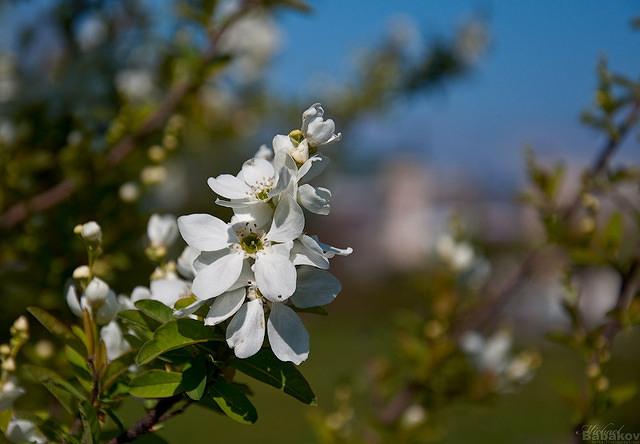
(44, 349)
(82, 272)
(162, 230)
(97, 292)
(129, 192)
(21, 324)
(5, 350)
(9, 365)
(91, 232)
(108, 310)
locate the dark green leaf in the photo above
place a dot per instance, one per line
(265, 367)
(90, 425)
(195, 375)
(173, 335)
(117, 367)
(232, 401)
(51, 323)
(66, 393)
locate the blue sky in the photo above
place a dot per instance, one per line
(538, 75)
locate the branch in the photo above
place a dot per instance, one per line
(67, 187)
(156, 415)
(499, 299)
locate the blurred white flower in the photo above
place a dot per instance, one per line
(459, 255)
(154, 174)
(414, 416)
(21, 431)
(162, 230)
(103, 312)
(129, 192)
(114, 341)
(7, 132)
(254, 40)
(9, 392)
(134, 84)
(91, 32)
(185, 262)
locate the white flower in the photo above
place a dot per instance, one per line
(114, 341)
(257, 182)
(167, 290)
(226, 247)
(9, 392)
(315, 132)
(91, 32)
(135, 84)
(318, 131)
(488, 354)
(102, 314)
(162, 230)
(308, 250)
(91, 232)
(288, 338)
(21, 431)
(459, 255)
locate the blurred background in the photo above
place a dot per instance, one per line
(436, 102)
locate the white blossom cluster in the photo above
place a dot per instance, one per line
(261, 263)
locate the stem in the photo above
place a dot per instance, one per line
(154, 416)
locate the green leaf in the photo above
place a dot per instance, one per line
(157, 384)
(175, 334)
(232, 401)
(90, 425)
(117, 367)
(66, 393)
(195, 375)
(623, 393)
(51, 323)
(5, 417)
(78, 363)
(265, 367)
(155, 310)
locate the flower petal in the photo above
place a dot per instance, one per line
(288, 220)
(255, 171)
(225, 306)
(313, 167)
(228, 186)
(192, 308)
(316, 200)
(288, 338)
(168, 291)
(307, 251)
(205, 232)
(315, 288)
(259, 213)
(216, 278)
(275, 275)
(245, 333)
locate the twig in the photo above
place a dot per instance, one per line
(156, 415)
(67, 187)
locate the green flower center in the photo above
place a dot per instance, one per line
(251, 243)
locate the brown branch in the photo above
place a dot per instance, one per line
(154, 416)
(67, 187)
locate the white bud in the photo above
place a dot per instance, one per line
(44, 349)
(81, 272)
(9, 365)
(21, 324)
(91, 232)
(97, 292)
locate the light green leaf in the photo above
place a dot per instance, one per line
(176, 334)
(66, 393)
(265, 367)
(195, 375)
(90, 425)
(155, 310)
(157, 384)
(232, 401)
(117, 367)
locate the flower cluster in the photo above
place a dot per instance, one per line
(262, 263)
